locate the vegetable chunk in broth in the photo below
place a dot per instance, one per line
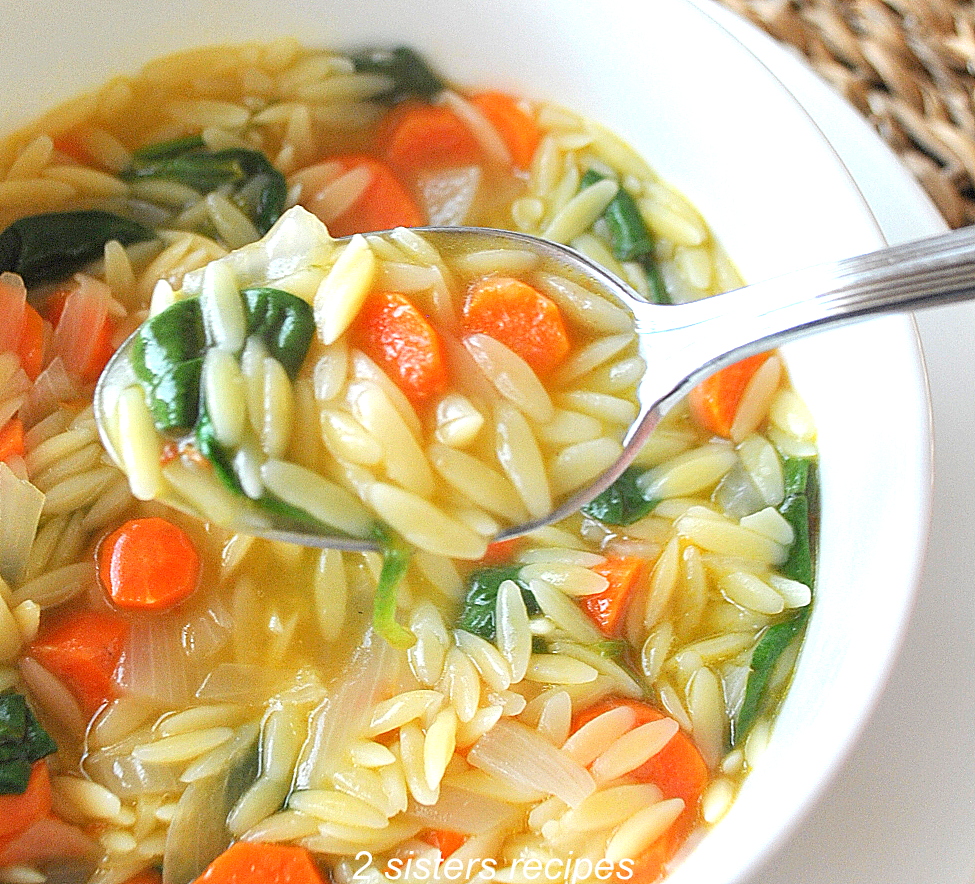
(182, 703)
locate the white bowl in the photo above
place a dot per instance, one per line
(714, 122)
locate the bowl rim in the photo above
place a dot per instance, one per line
(901, 330)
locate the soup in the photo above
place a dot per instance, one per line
(577, 703)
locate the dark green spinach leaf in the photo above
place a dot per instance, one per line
(478, 614)
(771, 646)
(409, 72)
(169, 348)
(53, 245)
(259, 190)
(630, 238)
(23, 741)
(800, 507)
(284, 322)
(622, 503)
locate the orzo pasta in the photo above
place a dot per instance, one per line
(179, 702)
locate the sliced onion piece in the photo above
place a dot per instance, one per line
(462, 811)
(522, 756)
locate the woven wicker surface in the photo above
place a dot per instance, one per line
(908, 66)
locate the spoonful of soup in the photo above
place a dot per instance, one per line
(450, 386)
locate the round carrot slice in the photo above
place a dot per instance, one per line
(393, 332)
(251, 862)
(520, 317)
(678, 770)
(148, 564)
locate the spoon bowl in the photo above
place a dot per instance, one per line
(681, 345)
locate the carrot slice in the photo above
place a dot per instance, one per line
(383, 204)
(520, 317)
(13, 302)
(54, 305)
(102, 351)
(48, 840)
(678, 770)
(30, 347)
(393, 332)
(251, 862)
(445, 840)
(83, 330)
(606, 608)
(70, 145)
(714, 402)
(148, 564)
(83, 649)
(19, 812)
(517, 127)
(500, 551)
(416, 135)
(12, 439)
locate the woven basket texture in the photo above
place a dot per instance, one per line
(908, 66)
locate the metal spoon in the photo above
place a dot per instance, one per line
(684, 344)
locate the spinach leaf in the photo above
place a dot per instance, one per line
(254, 184)
(799, 508)
(411, 76)
(211, 448)
(23, 741)
(630, 238)
(174, 396)
(166, 150)
(478, 614)
(622, 503)
(175, 335)
(167, 358)
(53, 245)
(169, 348)
(283, 321)
(396, 559)
(771, 646)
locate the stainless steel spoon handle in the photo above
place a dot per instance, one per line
(690, 341)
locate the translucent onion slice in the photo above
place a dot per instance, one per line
(522, 756)
(462, 811)
(20, 512)
(155, 664)
(344, 714)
